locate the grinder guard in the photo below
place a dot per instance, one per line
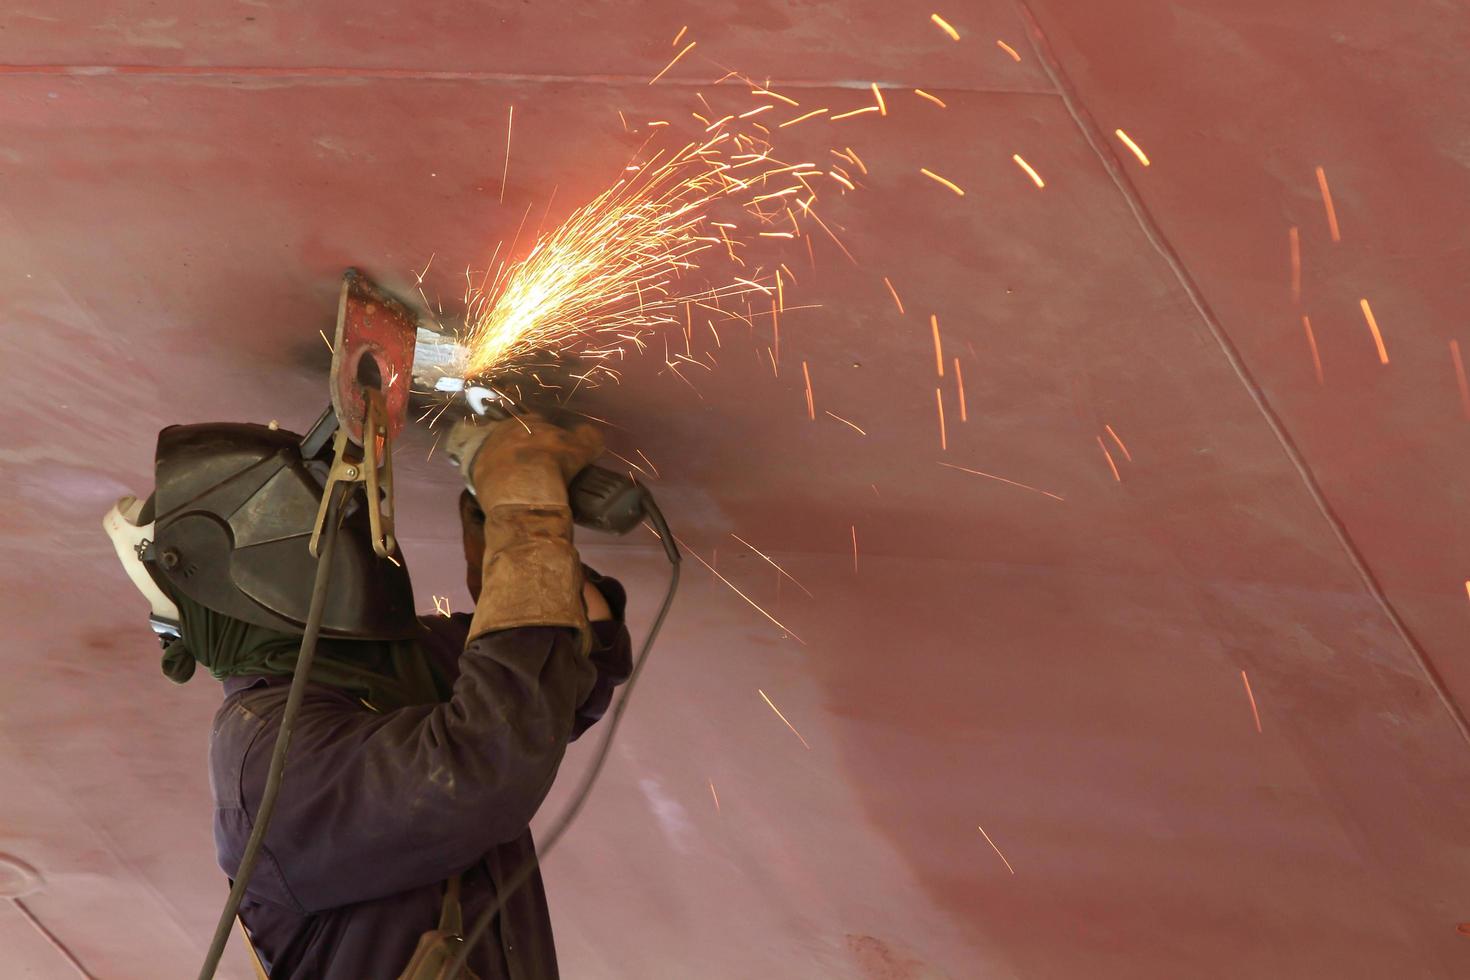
(236, 505)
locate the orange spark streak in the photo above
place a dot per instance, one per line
(782, 717)
(854, 549)
(505, 172)
(776, 234)
(772, 562)
(1373, 326)
(1035, 177)
(943, 437)
(932, 98)
(742, 595)
(774, 95)
(1254, 713)
(1126, 454)
(842, 180)
(995, 849)
(845, 422)
(675, 41)
(947, 183)
(1327, 204)
(793, 122)
(894, 293)
(811, 409)
(621, 118)
(715, 795)
(757, 111)
(1460, 378)
(1008, 49)
(648, 461)
(878, 94)
(852, 155)
(1467, 586)
(855, 112)
(1294, 239)
(938, 347)
(1111, 465)
(671, 64)
(1312, 343)
(959, 380)
(1142, 157)
(326, 341)
(944, 26)
(1001, 479)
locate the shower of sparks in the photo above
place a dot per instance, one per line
(811, 407)
(959, 381)
(1327, 205)
(1460, 378)
(1111, 465)
(510, 118)
(1373, 326)
(715, 795)
(938, 347)
(1128, 142)
(682, 52)
(1035, 177)
(878, 95)
(891, 291)
(938, 179)
(441, 604)
(1294, 240)
(1008, 49)
(854, 549)
(944, 26)
(782, 717)
(1126, 454)
(1001, 479)
(625, 264)
(943, 436)
(1254, 713)
(1312, 343)
(751, 602)
(845, 422)
(772, 562)
(995, 849)
(932, 98)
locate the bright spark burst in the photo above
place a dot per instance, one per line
(782, 717)
(630, 261)
(945, 26)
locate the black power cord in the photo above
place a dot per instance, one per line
(524, 872)
(283, 739)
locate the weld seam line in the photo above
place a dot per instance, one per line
(1151, 230)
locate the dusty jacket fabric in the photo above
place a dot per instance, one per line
(377, 809)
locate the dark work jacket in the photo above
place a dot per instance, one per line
(378, 809)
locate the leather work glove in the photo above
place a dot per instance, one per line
(518, 470)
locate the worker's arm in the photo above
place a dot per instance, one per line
(376, 804)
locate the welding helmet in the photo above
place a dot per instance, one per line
(233, 508)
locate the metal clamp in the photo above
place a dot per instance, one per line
(374, 471)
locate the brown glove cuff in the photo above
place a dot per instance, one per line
(532, 574)
(525, 478)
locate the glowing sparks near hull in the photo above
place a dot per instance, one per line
(782, 717)
(1254, 713)
(1015, 55)
(932, 98)
(941, 180)
(995, 849)
(1327, 205)
(945, 26)
(1111, 464)
(1312, 343)
(1373, 326)
(1001, 479)
(1030, 171)
(1128, 142)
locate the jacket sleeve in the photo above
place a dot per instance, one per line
(375, 804)
(611, 653)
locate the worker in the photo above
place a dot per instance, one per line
(423, 747)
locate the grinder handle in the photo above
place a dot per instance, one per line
(606, 500)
